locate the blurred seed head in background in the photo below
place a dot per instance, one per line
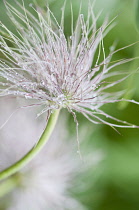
(46, 182)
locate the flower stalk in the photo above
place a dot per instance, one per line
(7, 186)
(35, 150)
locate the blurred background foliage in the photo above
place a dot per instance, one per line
(115, 183)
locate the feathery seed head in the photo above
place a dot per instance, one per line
(57, 71)
(46, 182)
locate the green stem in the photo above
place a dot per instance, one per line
(7, 186)
(34, 151)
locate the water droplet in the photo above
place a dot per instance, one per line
(30, 5)
(111, 48)
(27, 96)
(94, 86)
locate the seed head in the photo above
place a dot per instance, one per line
(58, 71)
(47, 181)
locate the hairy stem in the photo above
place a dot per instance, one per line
(34, 151)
